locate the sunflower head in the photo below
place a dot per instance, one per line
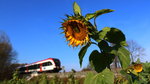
(76, 31)
(137, 67)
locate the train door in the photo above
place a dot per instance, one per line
(41, 67)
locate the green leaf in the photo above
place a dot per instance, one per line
(123, 43)
(99, 35)
(123, 72)
(103, 11)
(94, 35)
(103, 32)
(127, 76)
(76, 9)
(97, 13)
(88, 78)
(124, 57)
(100, 12)
(146, 67)
(115, 36)
(100, 60)
(103, 45)
(89, 16)
(105, 77)
(82, 53)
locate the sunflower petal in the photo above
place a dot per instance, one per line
(69, 38)
(77, 43)
(71, 42)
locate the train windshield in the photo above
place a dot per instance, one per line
(57, 62)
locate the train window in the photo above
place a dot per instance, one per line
(30, 67)
(38, 65)
(49, 63)
(34, 66)
(22, 69)
(46, 64)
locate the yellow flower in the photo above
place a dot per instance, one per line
(137, 67)
(76, 32)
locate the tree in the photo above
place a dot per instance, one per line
(7, 56)
(135, 49)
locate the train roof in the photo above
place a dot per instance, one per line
(41, 61)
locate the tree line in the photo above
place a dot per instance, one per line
(8, 55)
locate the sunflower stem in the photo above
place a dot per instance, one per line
(95, 26)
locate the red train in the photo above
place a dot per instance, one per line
(46, 65)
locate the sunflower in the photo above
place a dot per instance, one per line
(76, 31)
(137, 67)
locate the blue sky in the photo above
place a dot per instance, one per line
(33, 26)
